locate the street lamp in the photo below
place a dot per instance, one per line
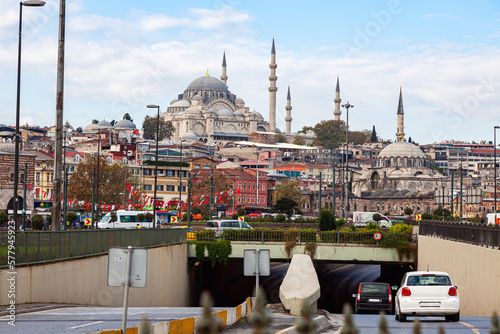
(495, 167)
(156, 160)
(180, 179)
(29, 3)
(347, 106)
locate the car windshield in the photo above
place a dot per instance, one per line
(106, 218)
(428, 280)
(373, 288)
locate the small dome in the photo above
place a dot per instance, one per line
(7, 147)
(181, 103)
(125, 124)
(239, 100)
(91, 128)
(190, 136)
(104, 124)
(207, 83)
(173, 101)
(257, 114)
(197, 98)
(401, 149)
(224, 112)
(238, 113)
(192, 111)
(209, 111)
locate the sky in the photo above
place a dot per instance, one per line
(121, 56)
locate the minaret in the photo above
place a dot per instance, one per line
(400, 135)
(337, 101)
(272, 91)
(288, 108)
(223, 77)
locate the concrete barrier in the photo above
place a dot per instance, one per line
(300, 285)
(188, 325)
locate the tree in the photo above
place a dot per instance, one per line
(79, 129)
(112, 180)
(285, 205)
(305, 129)
(377, 217)
(289, 189)
(329, 134)
(408, 211)
(299, 140)
(326, 220)
(71, 217)
(359, 137)
(37, 222)
(165, 130)
(127, 117)
(4, 217)
(282, 138)
(374, 138)
(201, 187)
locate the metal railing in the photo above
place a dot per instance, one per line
(26, 248)
(301, 237)
(473, 233)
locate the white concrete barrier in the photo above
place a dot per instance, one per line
(301, 285)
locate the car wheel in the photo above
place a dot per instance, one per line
(401, 317)
(453, 317)
(396, 313)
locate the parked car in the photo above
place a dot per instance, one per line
(430, 293)
(219, 225)
(191, 234)
(255, 215)
(374, 297)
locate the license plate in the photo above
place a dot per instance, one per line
(371, 300)
(430, 304)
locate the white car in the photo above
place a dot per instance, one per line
(427, 293)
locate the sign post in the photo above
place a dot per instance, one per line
(256, 262)
(120, 272)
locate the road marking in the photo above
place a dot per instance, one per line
(475, 330)
(137, 313)
(92, 323)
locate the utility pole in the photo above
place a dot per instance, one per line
(211, 189)
(189, 183)
(451, 196)
(347, 106)
(319, 204)
(461, 198)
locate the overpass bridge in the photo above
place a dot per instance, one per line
(470, 254)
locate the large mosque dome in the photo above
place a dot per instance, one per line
(401, 149)
(207, 83)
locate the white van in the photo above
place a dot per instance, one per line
(224, 224)
(125, 219)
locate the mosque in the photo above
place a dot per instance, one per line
(208, 112)
(401, 169)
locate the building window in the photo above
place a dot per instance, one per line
(159, 187)
(148, 171)
(239, 199)
(253, 200)
(244, 199)
(258, 200)
(183, 188)
(240, 185)
(170, 188)
(206, 166)
(37, 177)
(148, 187)
(197, 166)
(263, 199)
(253, 186)
(263, 186)
(170, 173)
(244, 186)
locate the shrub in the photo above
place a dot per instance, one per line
(195, 210)
(241, 212)
(148, 216)
(427, 216)
(401, 229)
(340, 222)
(326, 221)
(37, 222)
(71, 217)
(280, 218)
(4, 217)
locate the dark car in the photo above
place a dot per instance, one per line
(374, 297)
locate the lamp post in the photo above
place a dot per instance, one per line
(180, 180)
(156, 160)
(347, 106)
(29, 3)
(495, 167)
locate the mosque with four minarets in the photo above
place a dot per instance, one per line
(208, 112)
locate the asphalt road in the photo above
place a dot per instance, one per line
(91, 319)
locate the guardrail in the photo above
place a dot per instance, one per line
(37, 247)
(300, 237)
(473, 233)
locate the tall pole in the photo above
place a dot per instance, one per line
(180, 181)
(442, 201)
(56, 216)
(211, 189)
(124, 186)
(92, 211)
(495, 167)
(156, 158)
(18, 108)
(94, 226)
(451, 197)
(189, 200)
(65, 173)
(319, 204)
(461, 198)
(347, 106)
(24, 195)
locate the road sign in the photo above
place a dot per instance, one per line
(117, 266)
(377, 236)
(418, 217)
(241, 218)
(256, 262)
(173, 219)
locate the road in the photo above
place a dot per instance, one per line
(91, 319)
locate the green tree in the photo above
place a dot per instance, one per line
(285, 205)
(408, 211)
(241, 212)
(127, 117)
(427, 216)
(373, 137)
(326, 220)
(4, 217)
(112, 180)
(71, 217)
(329, 134)
(79, 129)
(359, 137)
(377, 217)
(289, 189)
(201, 187)
(166, 128)
(299, 140)
(305, 129)
(282, 138)
(37, 222)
